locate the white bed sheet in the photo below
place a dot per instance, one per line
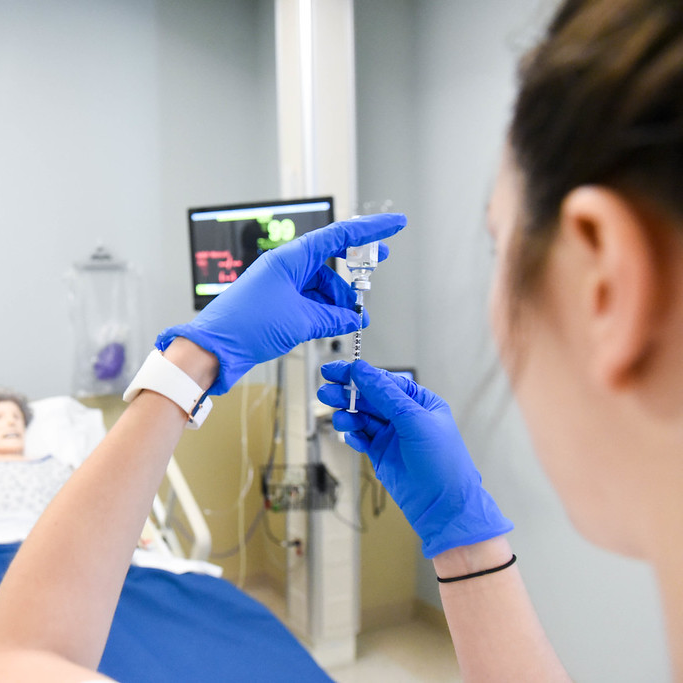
(64, 428)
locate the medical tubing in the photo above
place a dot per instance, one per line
(282, 542)
(474, 575)
(231, 552)
(276, 438)
(276, 434)
(244, 460)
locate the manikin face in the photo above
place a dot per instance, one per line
(12, 429)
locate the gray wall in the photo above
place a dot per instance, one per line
(116, 117)
(386, 124)
(436, 78)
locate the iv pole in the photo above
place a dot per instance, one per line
(317, 143)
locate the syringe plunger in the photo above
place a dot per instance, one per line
(353, 394)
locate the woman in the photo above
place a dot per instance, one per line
(588, 313)
(587, 307)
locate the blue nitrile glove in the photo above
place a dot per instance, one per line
(417, 452)
(287, 296)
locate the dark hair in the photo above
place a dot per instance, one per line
(20, 401)
(600, 102)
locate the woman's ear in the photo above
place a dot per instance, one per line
(619, 280)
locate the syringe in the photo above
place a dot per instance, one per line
(357, 341)
(360, 261)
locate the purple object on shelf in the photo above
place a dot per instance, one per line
(109, 361)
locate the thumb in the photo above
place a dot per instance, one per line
(328, 320)
(381, 391)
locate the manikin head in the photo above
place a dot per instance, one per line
(15, 416)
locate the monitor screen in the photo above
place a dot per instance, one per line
(226, 240)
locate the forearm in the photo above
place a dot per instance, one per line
(60, 593)
(495, 629)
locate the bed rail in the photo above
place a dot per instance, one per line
(178, 493)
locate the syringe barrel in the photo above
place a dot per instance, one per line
(361, 262)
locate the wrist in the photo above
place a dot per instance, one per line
(473, 558)
(196, 362)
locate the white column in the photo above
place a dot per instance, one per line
(316, 100)
(317, 156)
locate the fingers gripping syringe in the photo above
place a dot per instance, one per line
(360, 261)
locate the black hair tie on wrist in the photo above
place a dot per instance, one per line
(474, 575)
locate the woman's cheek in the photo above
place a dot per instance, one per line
(499, 319)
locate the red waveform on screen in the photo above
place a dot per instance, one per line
(229, 263)
(227, 277)
(225, 262)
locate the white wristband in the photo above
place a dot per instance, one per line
(160, 375)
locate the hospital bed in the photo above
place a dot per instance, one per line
(176, 620)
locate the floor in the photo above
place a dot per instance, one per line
(413, 652)
(417, 651)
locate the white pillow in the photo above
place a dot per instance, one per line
(64, 428)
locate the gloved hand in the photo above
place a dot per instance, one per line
(417, 452)
(287, 296)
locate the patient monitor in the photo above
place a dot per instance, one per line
(226, 240)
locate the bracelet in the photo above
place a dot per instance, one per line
(160, 375)
(474, 575)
